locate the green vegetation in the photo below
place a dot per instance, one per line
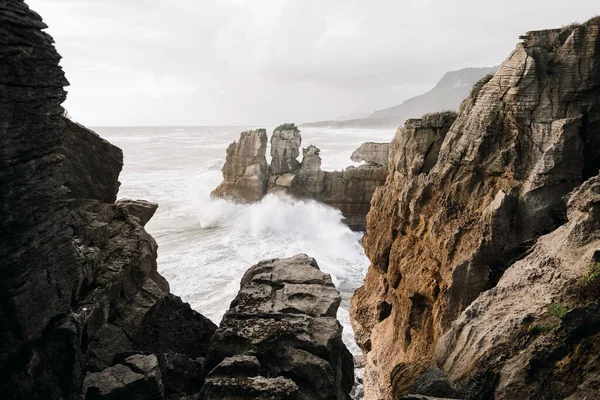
(592, 276)
(288, 127)
(539, 329)
(558, 310)
(485, 79)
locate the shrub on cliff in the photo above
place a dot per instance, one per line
(288, 127)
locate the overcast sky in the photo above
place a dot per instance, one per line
(263, 62)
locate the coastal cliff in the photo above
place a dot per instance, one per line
(464, 201)
(247, 177)
(84, 312)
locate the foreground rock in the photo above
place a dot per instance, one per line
(79, 275)
(349, 190)
(280, 338)
(447, 225)
(245, 170)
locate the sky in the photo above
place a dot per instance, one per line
(265, 62)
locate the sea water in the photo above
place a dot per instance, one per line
(206, 245)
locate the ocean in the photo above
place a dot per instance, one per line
(206, 245)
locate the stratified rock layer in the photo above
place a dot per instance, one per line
(285, 149)
(245, 171)
(444, 229)
(280, 338)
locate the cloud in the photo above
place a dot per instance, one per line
(177, 62)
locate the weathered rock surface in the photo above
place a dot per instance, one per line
(78, 271)
(245, 172)
(509, 343)
(372, 153)
(280, 338)
(285, 149)
(442, 231)
(349, 190)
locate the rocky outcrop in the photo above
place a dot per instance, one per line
(372, 153)
(280, 338)
(349, 190)
(446, 226)
(78, 271)
(285, 149)
(245, 171)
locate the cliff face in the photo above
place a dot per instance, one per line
(245, 179)
(459, 208)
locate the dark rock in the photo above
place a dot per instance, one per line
(181, 374)
(433, 382)
(142, 209)
(172, 325)
(282, 324)
(138, 378)
(91, 165)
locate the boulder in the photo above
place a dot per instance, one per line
(372, 153)
(142, 209)
(245, 172)
(137, 378)
(281, 332)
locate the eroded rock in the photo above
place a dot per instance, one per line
(245, 172)
(440, 233)
(372, 153)
(282, 335)
(285, 149)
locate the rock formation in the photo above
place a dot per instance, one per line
(280, 339)
(285, 145)
(349, 190)
(372, 153)
(451, 224)
(245, 170)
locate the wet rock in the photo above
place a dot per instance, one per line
(282, 324)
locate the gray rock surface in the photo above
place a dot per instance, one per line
(372, 153)
(285, 149)
(245, 172)
(142, 209)
(281, 336)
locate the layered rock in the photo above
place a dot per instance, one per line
(280, 339)
(372, 153)
(348, 190)
(285, 149)
(245, 171)
(447, 224)
(79, 276)
(535, 335)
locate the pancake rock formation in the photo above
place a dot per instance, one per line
(350, 190)
(476, 255)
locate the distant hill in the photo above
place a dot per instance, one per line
(446, 95)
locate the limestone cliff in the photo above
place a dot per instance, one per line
(461, 204)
